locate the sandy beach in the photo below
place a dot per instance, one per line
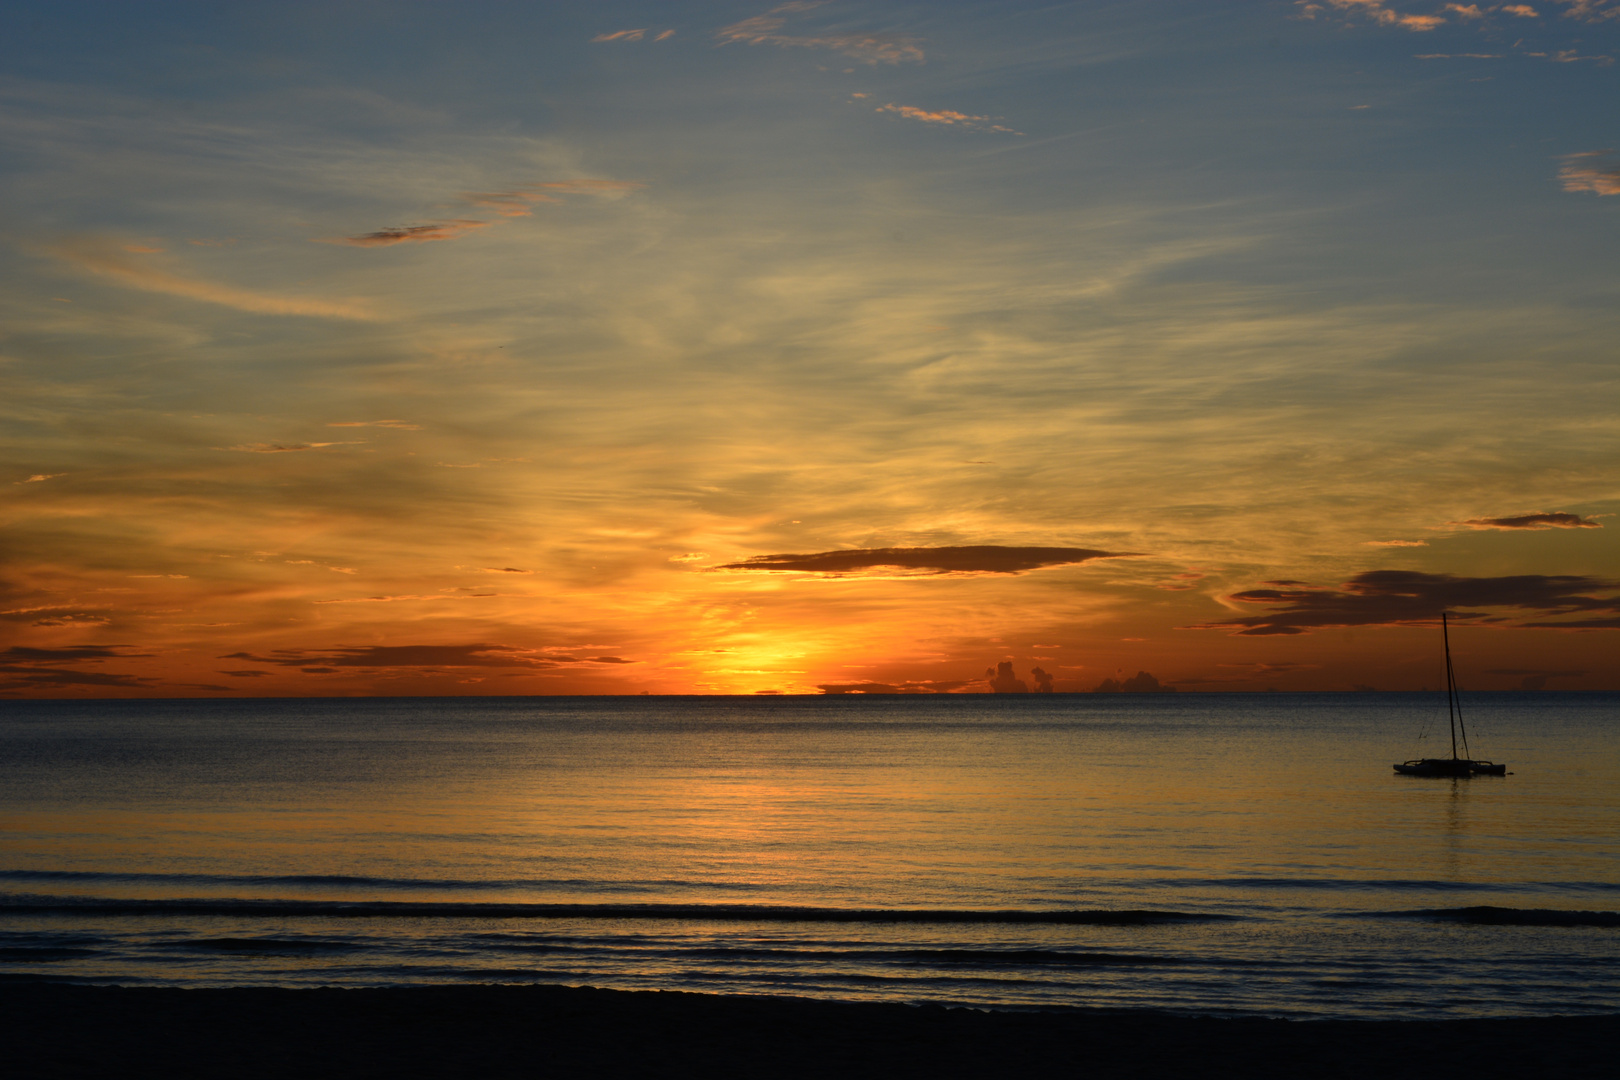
(57, 1030)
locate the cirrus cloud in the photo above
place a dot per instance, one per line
(948, 117)
(1596, 171)
(869, 48)
(108, 260)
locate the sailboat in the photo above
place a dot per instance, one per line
(1453, 765)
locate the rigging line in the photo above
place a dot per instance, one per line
(1451, 695)
(1451, 680)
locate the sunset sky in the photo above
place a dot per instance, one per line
(540, 348)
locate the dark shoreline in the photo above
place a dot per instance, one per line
(57, 1030)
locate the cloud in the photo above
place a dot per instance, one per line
(1410, 598)
(250, 674)
(24, 654)
(1590, 10)
(412, 234)
(16, 678)
(22, 667)
(456, 595)
(103, 259)
(516, 202)
(375, 656)
(417, 656)
(285, 448)
(983, 559)
(1531, 521)
(925, 686)
(1536, 679)
(1523, 11)
(869, 48)
(39, 478)
(1592, 171)
(1374, 10)
(1140, 683)
(633, 35)
(513, 203)
(1002, 680)
(399, 425)
(947, 116)
(1396, 543)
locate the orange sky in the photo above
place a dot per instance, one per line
(1228, 342)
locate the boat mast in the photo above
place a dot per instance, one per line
(1451, 686)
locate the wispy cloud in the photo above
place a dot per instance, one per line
(512, 203)
(924, 686)
(1590, 10)
(286, 448)
(634, 35)
(1396, 543)
(1404, 597)
(869, 48)
(105, 259)
(482, 655)
(71, 653)
(517, 201)
(1596, 171)
(981, 559)
(1531, 521)
(398, 425)
(39, 478)
(23, 667)
(1375, 11)
(948, 117)
(412, 234)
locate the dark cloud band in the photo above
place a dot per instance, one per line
(1403, 597)
(980, 559)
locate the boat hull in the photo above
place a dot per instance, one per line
(1450, 767)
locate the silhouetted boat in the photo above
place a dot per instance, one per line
(1453, 765)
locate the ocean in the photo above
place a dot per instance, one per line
(1202, 853)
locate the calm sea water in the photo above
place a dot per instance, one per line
(1207, 853)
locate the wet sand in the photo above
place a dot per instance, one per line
(57, 1030)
